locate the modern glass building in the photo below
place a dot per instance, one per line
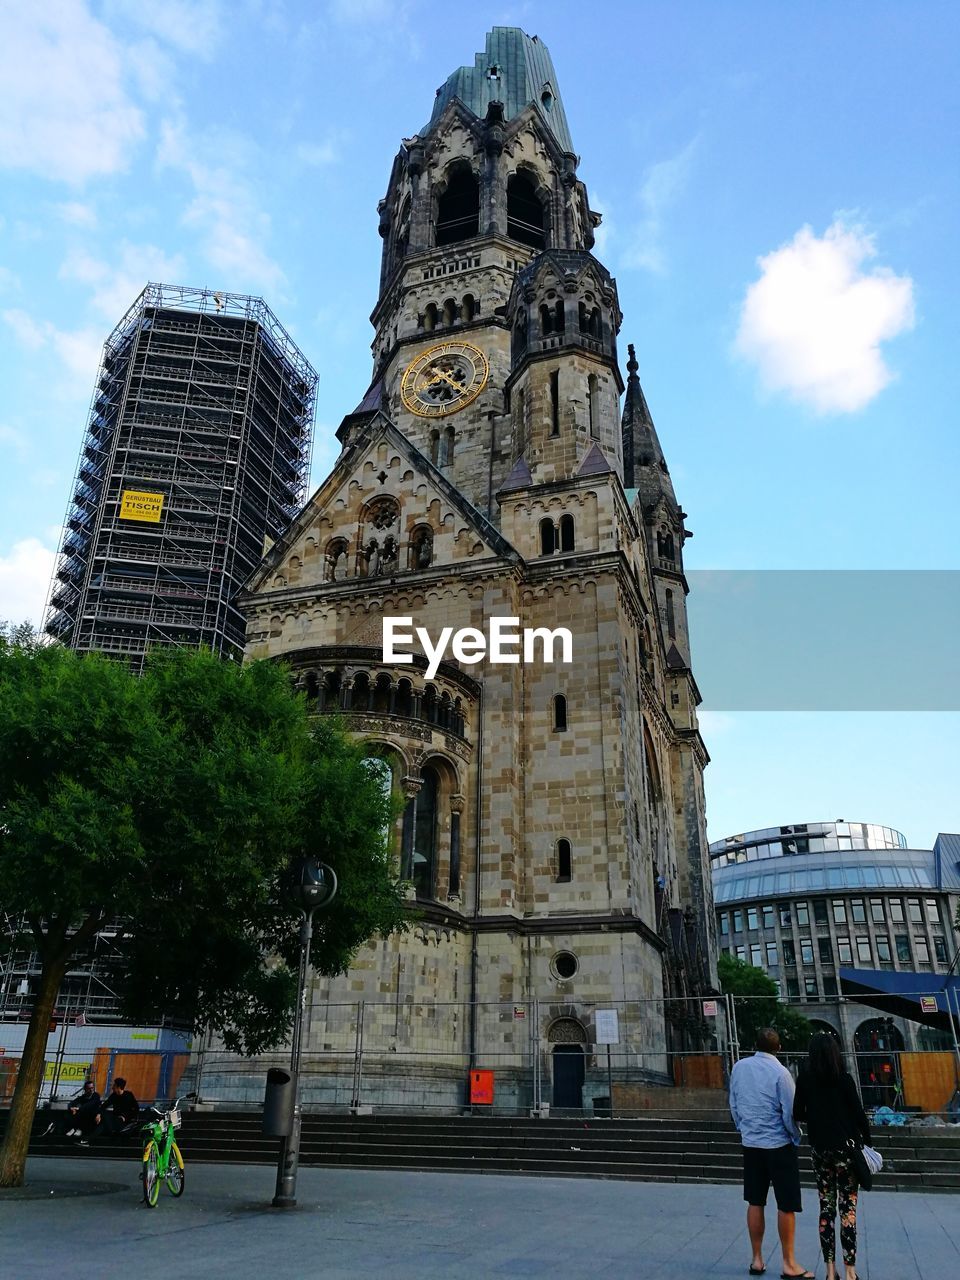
(834, 910)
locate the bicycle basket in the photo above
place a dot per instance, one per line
(173, 1118)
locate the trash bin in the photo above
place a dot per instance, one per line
(601, 1107)
(278, 1103)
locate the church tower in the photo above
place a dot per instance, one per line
(553, 835)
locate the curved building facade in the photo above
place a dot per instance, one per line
(828, 908)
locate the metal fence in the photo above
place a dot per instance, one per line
(518, 1057)
(527, 1056)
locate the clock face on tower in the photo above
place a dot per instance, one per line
(444, 379)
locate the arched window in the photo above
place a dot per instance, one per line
(403, 703)
(566, 533)
(403, 229)
(449, 312)
(582, 318)
(435, 446)
(458, 207)
(558, 321)
(546, 319)
(331, 693)
(430, 713)
(337, 563)
(431, 316)
(424, 868)
(525, 212)
(521, 422)
(381, 694)
(555, 403)
(564, 860)
(519, 336)
(548, 543)
(593, 405)
(421, 547)
(671, 618)
(559, 713)
(665, 545)
(468, 308)
(596, 327)
(360, 697)
(380, 769)
(450, 436)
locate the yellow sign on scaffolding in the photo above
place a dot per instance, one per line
(136, 505)
(70, 1072)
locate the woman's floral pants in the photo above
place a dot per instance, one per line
(837, 1187)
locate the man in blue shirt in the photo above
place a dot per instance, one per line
(761, 1103)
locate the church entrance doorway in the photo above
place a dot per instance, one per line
(568, 1073)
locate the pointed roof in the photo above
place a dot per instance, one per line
(644, 466)
(675, 660)
(519, 477)
(514, 70)
(594, 463)
(378, 426)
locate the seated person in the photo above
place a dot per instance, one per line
(119, 1110)
(82, 1111)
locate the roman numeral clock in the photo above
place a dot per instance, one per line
(444, 379)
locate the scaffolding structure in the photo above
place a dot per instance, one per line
(197, 451)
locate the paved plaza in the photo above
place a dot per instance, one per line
(355, 1223)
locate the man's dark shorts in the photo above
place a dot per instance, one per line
(779, 1165)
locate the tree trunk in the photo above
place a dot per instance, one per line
(13, 1153)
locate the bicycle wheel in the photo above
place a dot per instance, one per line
(175, 1174)
(151, 1174)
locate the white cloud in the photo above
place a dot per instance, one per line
(77, 351)
(663, 184)
(814, 321)
(26, 330)
(713, 723)
(117, 285)
(25, 580)
(77, 214)
(224, 210)
(13, 439)
(319, 154)
(192, 26)
(64, 109)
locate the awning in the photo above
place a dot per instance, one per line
(905, 995)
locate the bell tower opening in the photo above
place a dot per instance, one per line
(458, 207)
(525, 212)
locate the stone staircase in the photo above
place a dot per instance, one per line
(661, 1149)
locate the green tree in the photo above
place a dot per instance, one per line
(757, 1004)
(175, 803)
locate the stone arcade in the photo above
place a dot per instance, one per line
(554, 830)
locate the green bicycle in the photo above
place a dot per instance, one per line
(162, 1160)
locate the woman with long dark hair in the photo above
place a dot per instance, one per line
(827, 1102)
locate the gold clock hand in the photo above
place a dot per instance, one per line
(460, 386)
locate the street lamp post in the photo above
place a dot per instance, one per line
(316, 887)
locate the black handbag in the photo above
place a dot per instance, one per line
(858, 1162)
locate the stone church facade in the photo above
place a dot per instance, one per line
(553, 834)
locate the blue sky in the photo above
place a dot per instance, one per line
(780, 199)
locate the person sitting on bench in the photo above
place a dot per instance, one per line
(82, 1111)
(119, 1110)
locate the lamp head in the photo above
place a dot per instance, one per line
(315, 884)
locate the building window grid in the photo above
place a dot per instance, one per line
(921, 912)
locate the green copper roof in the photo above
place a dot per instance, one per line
(525, 75)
